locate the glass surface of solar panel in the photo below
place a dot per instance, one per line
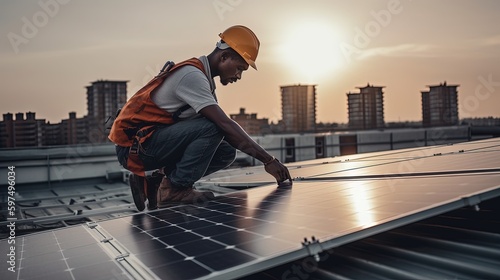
(456, 158)
(253, 226)
(70, 253)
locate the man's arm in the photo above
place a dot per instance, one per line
(239, 139)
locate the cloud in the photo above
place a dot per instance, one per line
(402, 50)
(468, 47)
(488, 41)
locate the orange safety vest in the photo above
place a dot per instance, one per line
(139, 117)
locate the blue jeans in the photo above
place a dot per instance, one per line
(187, 150)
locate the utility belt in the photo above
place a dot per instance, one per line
(136, 144)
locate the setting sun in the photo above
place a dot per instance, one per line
(311, 51)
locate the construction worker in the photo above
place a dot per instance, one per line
(195, 137)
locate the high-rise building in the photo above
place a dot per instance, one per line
(74, 130)
(440, 105)
(32, 132)
(21, 132)
(250, 123)
(104, 98)
(298, 107)
(366, 108)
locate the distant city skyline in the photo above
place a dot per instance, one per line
(51, 50)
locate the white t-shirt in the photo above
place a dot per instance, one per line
(187, 85)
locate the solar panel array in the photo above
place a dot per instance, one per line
(251, 230)
(424, 161)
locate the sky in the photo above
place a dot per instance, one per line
(50, 50)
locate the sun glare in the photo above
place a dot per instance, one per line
(311, 50)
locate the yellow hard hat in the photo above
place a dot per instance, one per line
(243, 41)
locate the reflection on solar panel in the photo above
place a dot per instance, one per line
(247, 231)
(426, 161)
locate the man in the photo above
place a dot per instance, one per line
(195, 137)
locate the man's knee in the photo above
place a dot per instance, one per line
(231, 156)
(228, 153)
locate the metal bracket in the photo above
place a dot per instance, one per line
(313, 247)
(92, 225)
(107, 239)
(472, 201)
(122, 257)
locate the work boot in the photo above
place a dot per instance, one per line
(153, 183)
(143, 188)
(169, 195)
(136, 183)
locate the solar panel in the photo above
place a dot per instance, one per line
(71, 253)
(424, 161)
(247, 231)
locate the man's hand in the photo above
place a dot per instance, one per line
(278, 171)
